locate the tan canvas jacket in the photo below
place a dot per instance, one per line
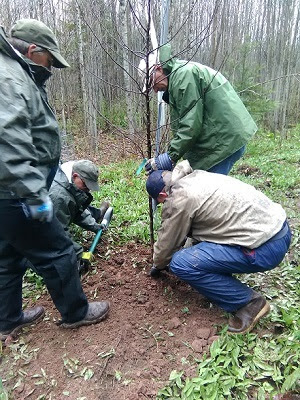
(214, 208)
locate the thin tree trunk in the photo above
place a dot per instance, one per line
(124, 21)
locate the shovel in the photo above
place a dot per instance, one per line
(88, 256)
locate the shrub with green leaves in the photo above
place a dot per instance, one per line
(3, 392)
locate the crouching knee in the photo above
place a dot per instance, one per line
(187, 262)
(178, 264)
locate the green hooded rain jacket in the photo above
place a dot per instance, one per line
(208, 119)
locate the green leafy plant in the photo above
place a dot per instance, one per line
(262, 364)
(3, 392)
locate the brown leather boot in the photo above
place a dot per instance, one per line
(30, 316)
(247, 317)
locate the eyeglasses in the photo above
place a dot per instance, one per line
(84, 185)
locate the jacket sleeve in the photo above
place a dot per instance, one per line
(86, 221)
(18, 157)
(186, 99)
(176, 224)
(63, 208)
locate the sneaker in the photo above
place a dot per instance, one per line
(30, 316)
(97, 312)
(247, 317)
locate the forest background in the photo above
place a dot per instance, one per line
(98, 101)
(254, 43)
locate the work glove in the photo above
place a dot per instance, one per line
(161, 162)
(97, 227)
(41, 211)
(155, 272)
(103, 208)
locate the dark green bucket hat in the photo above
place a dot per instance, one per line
(36, 32)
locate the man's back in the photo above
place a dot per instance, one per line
(29, 134)
(226, 210)
(208, 118)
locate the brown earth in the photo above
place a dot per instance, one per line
(154, 326)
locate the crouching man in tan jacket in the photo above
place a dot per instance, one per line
(236, 228)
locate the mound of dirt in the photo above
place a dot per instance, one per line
(154, 326)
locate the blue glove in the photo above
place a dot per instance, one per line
(161, 162)
(41, 212)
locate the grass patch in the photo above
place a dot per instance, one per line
(126, 193)
(254, 366)
(258, 366)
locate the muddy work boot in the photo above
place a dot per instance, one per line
(247, 317)
(30, 316)
(97, 312)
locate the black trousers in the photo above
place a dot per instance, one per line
(50, 251)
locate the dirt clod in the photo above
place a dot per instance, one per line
(174, 323)
(203, 333)
(198, 345)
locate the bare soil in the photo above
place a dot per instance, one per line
(154, 326)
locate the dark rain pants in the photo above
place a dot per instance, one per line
(51, 252)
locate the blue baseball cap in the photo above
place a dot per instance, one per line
(155, 183)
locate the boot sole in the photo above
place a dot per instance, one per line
(84, 322)
(14, 332)
(263, 312)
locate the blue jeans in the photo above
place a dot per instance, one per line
(225, 166)
(208, 268)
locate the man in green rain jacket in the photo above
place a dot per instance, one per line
(210, 123)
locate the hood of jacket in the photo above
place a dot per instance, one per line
(37, 72)
(181, 170)
(165, 58)
(67, 168)
(7, 48)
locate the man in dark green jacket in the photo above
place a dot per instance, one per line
(71, 197)
(30, 150)
(210, 123)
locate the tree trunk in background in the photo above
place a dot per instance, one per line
(248, 41)
(124, 26)
(82, 70)
(87, 83)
